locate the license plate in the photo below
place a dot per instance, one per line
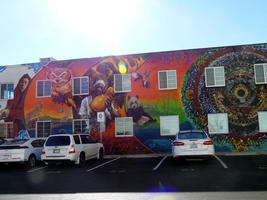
(193, 146)
(56, 151)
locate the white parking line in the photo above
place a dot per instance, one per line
(103, 164)
(155, 168)
(36, 169)
(222, 163)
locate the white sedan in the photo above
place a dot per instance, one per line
(192, 143)
(22, 150)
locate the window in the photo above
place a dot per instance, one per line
(38, 143)
(123, 126)
(80, 85)
(218, 123)
(167, 79)
(43, 128)
(85, 139)
(43, 88)
(214, 76)
(122, 82)
(169, 125)
(262, 121)
(76, 139)
(58, 141)
(81, 126)
(7, 91)
(6, 130)
(260, 71)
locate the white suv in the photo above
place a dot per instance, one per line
(76, 148)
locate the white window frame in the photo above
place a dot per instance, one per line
(264, 73)
(124, 78)
(261, 120)
(168, 87)
(7, 83)
(75, 120)
(36, 125)
(170, 119)
(215, 77)
(218, 121)
(6, 125)
(80, 78)
(43, 81)
(130, 125)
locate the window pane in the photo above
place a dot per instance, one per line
(162, 80)
(10, 91)
(47, 91)
(259, 71)
(3, 89)
(169, 125)
(77, 86)
(127, 82)
(218, 123)
(85, 86)
(40, 89)
(210, 77)
(262, 121)
(118, 82)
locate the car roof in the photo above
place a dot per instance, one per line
(192, 131)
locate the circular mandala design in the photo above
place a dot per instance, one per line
(240, 98)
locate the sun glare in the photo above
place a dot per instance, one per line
(102, 20)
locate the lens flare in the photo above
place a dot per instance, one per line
(122, 68)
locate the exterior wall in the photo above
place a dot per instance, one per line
(192, 100)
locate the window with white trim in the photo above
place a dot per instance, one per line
(7, 91)
(6, 130)
(43, 88)
(80, 85)
(122, 83)
(262, 116)
(169, 125)
(123, 126)
(80, 126)
(218, 123)
(167, 79)
(43, 128)
(260, 71)
(214, 76)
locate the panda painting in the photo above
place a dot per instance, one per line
(136, 111)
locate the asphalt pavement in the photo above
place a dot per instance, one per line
(139, 175)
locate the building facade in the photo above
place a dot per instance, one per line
(144, 98)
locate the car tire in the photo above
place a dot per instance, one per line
(31, 163)
(100, 154)
(82, 159)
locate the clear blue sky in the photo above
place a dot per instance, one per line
(64, 29)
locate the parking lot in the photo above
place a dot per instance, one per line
(147, 174)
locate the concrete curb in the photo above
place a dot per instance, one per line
(169, 155)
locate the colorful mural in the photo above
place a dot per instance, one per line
(241, 98)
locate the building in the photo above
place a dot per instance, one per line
(145, 98)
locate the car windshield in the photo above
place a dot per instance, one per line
(58, 141)
(15, 142)
(192, 135)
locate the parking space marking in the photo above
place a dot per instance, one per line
(36, 169)
(103, 164)
(222, 163)
(155, 168)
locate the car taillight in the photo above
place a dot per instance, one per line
(43, 151)
(209, 142)
(178, 144)
(72, 149)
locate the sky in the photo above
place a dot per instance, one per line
(71, 29)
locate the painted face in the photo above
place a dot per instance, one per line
(99, 89)
(23, 84)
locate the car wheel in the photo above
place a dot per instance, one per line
(82, 159)
(31, 162)
(101, 154)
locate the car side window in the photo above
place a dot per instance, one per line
(76, 139)
(85, 139)
(37, 143)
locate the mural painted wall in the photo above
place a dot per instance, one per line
(240, 98)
